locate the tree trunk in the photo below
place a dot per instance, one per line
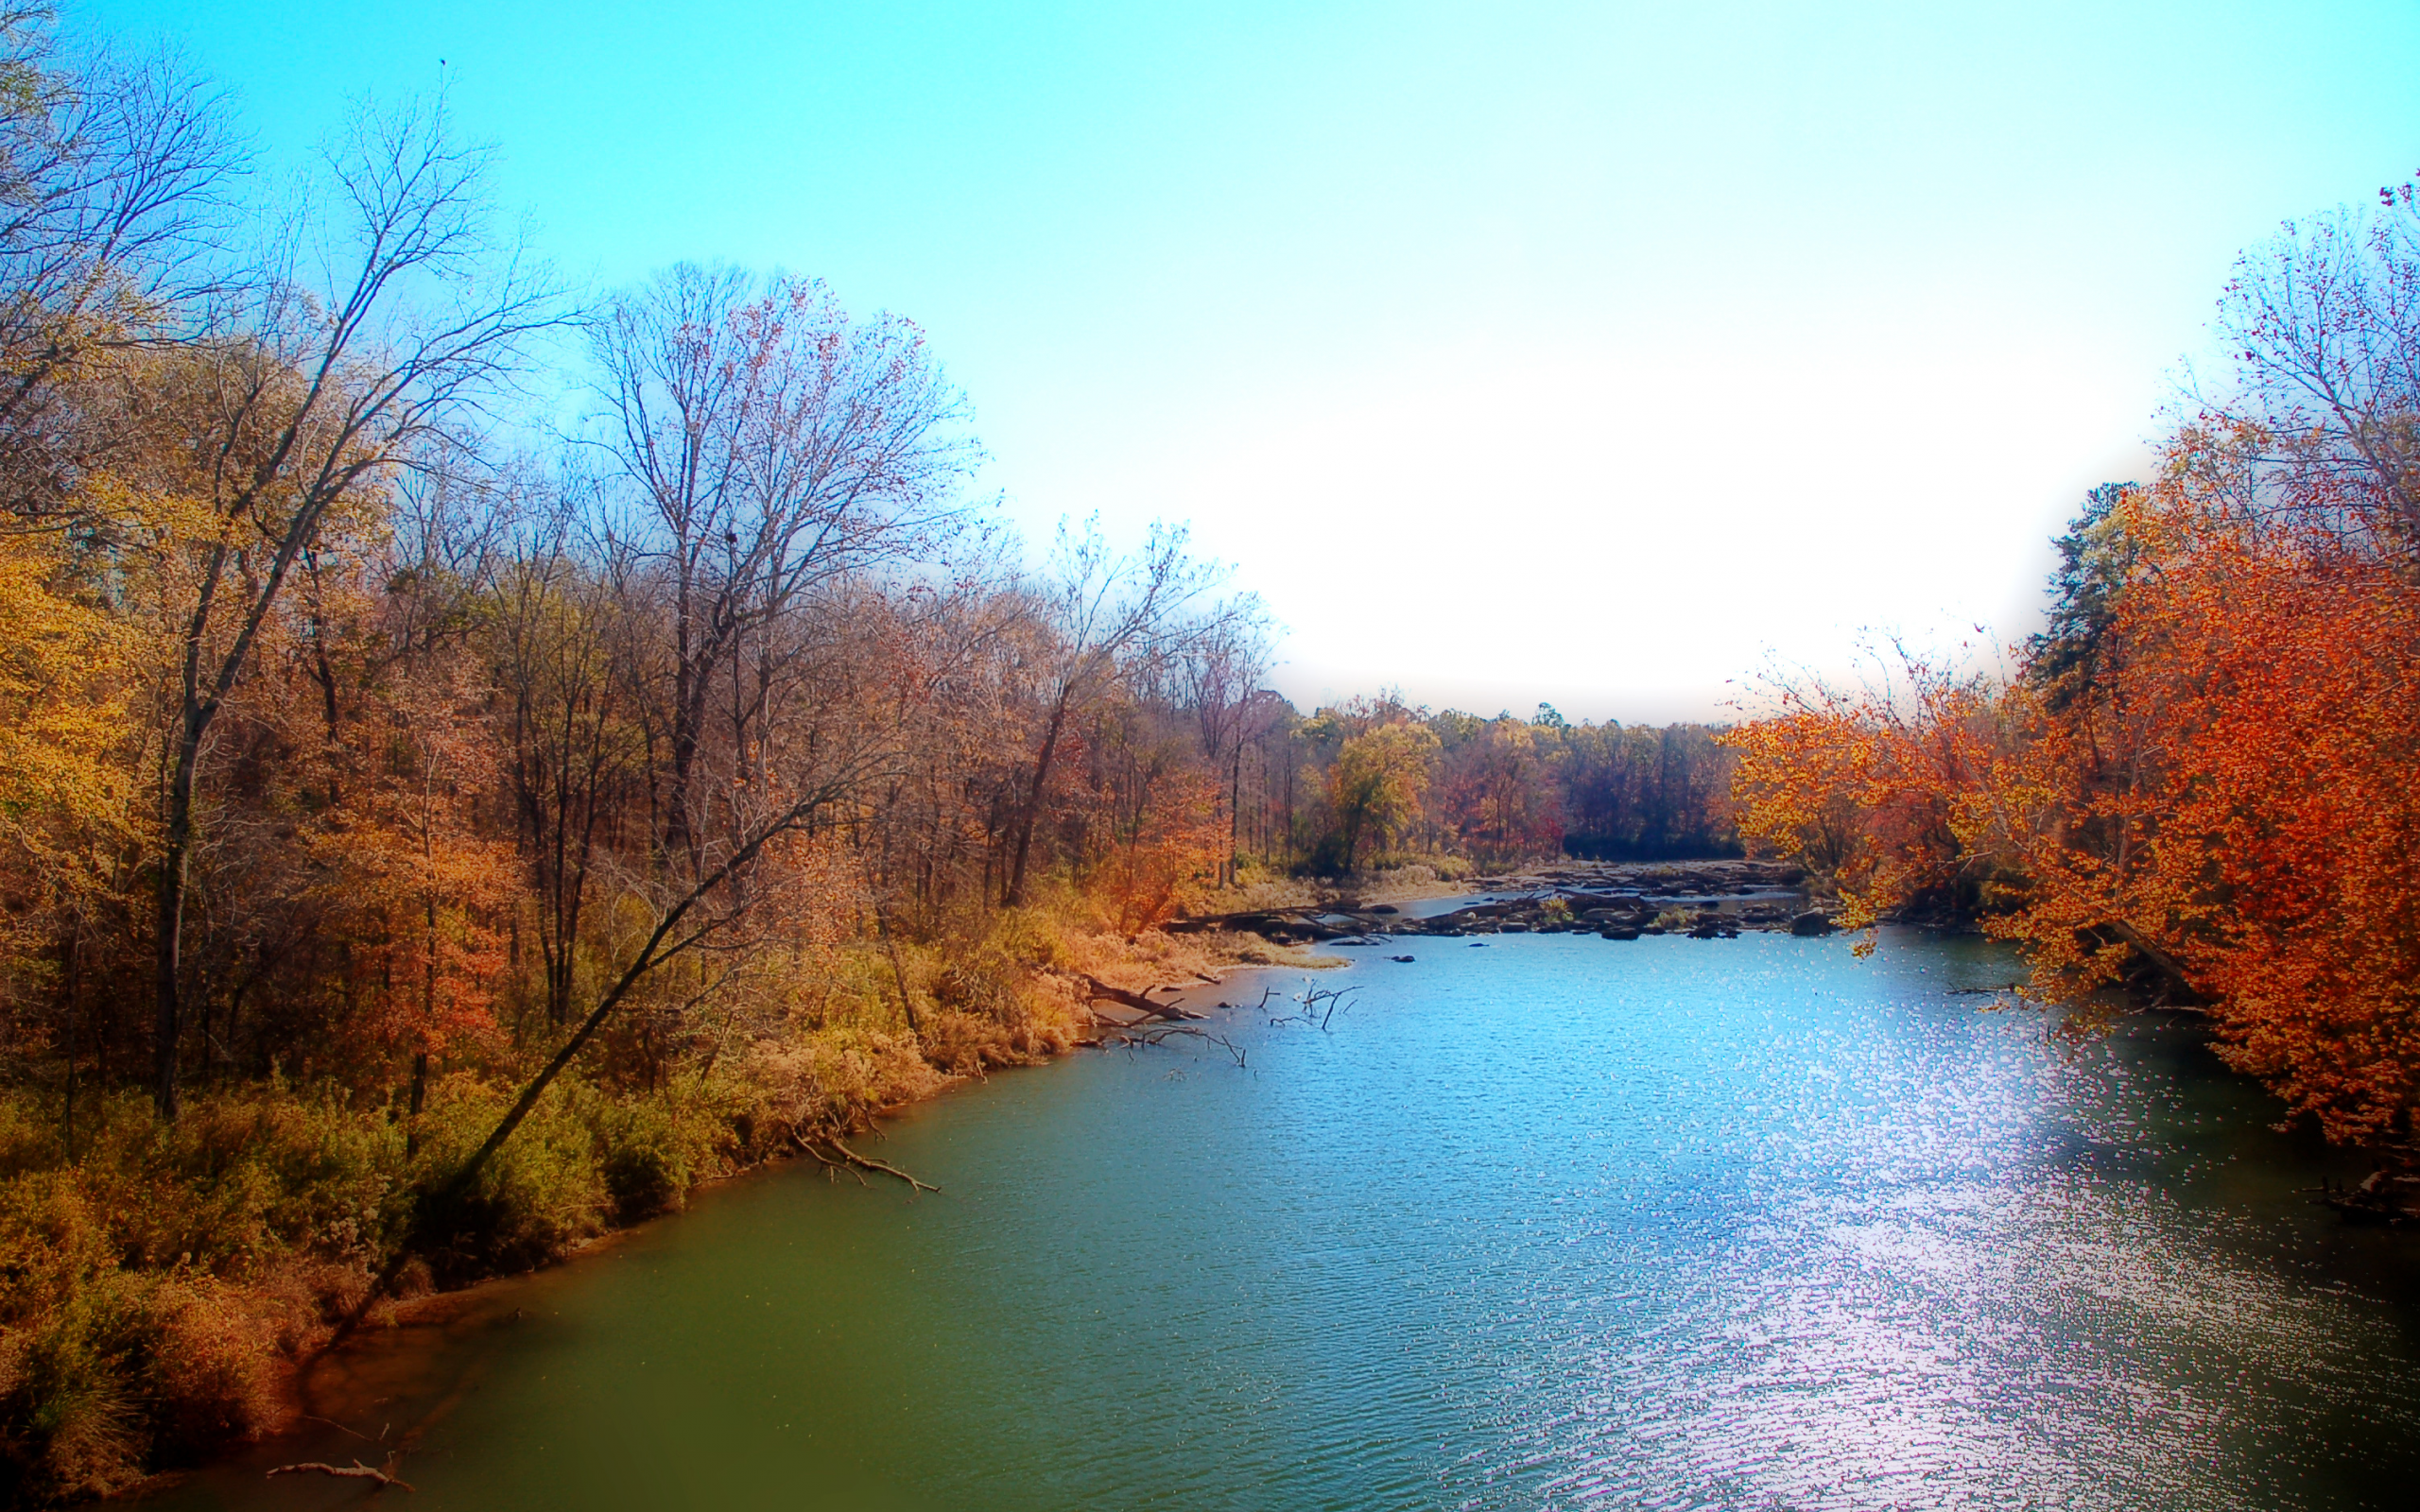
(420, 1096)
(427, 1017)
(171, 922)
(1014, 896)
(1235, 817)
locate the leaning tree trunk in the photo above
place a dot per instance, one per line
(1014, 896)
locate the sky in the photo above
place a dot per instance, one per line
(1603, 354)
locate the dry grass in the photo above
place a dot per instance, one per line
(1412, 883)
(1262, 892)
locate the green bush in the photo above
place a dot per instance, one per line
(539, 1196)
(652, 1149)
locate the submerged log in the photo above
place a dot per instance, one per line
(851, 1161)
(2382, 1197)
(885, 1167)
(354, 1471)
(1140, 1002)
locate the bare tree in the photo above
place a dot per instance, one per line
(1221, 672)
(777, 447)
(350, 364)
(113, 199)
(1108, 612)
(2323, 327)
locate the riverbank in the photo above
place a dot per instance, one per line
(158, 1289)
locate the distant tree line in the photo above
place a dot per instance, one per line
(1373, 783)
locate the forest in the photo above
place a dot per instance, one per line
(440, 820)
(2196, 784)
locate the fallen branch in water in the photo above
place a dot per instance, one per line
(1320, 1005)
(2374, 1200)
(830, 1165)
(885, 1167)
(1132, 1035)
(1141, 1002)
(313, 1418)
(356, 1472)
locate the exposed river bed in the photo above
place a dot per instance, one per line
(1548, 1222)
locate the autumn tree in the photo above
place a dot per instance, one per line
(1149, 823)
(1499, 793)
(1104, 612)
(2228, 813)
(1894, 788)
(348, 363)
(2197, 785)
(1377, 784)
(774, 448)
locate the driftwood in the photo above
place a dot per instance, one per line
(831, 1166)
(1140, 1002)
(885, 1167)
(356, 1472)
(1130, 1035)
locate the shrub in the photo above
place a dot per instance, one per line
(539, 1195)
(131, 1370)
(651, 1150)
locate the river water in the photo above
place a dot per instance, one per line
(1558, 1222)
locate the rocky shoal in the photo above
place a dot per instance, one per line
(1702, 900)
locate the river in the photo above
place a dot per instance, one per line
(1557, 1222)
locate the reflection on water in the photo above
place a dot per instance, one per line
(1560, 1222)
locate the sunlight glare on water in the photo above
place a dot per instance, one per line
(1560, 1222)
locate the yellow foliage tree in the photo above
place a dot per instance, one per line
(66, 781)
(1378, 782)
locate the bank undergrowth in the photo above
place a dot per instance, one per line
(157, 1287)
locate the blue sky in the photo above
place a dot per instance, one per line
(1586, 353)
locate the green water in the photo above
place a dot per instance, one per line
(1556, 1223)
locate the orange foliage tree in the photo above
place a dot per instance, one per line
(1892, 791)
(2213, 797)
(2238, 807)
